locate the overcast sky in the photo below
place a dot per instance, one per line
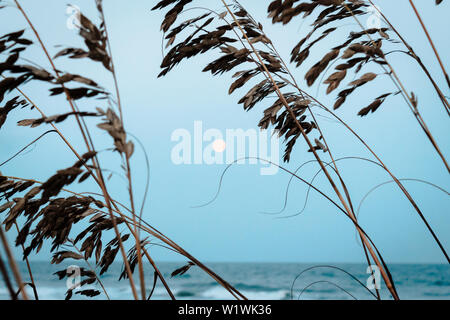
(232, 228)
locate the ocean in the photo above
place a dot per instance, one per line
(258, 281)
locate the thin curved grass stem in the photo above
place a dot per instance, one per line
(399, 184)
(412, 104)
(325, 281)
(30, 273)
(344, 186)
(157, 234)
(92, 269)
(330, 267)
(286, 105)
(74, 109)
(24, 148)
(13, 264)
(7, 280)
(416, 57)
(127, 160)
(96, 179)
(431, 42)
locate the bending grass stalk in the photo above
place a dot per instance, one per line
(36, 296)
(128, 167)
(130, 229)
(312, 114)
(92, 269)
(381, 163)
(158, 273)
(359, 206)
(102, 184)
(283, 100)
(176, 248)
(24, 148)
(96, 179)
(108, 199)
(328, 149)
(391, 181)
(157, 234)
(412, 104)
(431, 42)
(399, 184)
(72, 106)
(312, 180)
(354, 221)
(13, 264)
(405, 192)
(56, 130)
(150, 260)
(329, 267)
(147, 181)
(347, 194)
(311, 186)
(294, 175)
(416, 57)
(5, 275)
(154, 232)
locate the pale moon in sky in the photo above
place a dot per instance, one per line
(219, 146)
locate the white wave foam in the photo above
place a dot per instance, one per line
(219, 293)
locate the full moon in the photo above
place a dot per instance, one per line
(219, 146)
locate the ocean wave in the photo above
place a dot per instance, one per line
(185, 294)
(255, 281)
(254, 287)
(219, 293)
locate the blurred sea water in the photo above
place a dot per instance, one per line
(257, 281)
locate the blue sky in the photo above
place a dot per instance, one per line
(232, 228)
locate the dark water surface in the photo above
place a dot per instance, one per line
(265, 281)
